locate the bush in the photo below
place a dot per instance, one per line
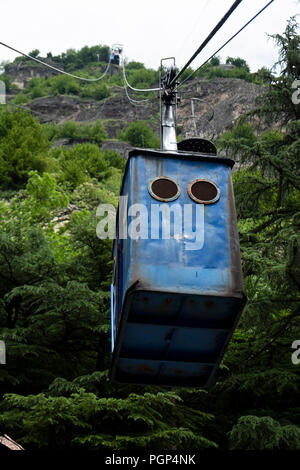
(93, 133)
(63, 85)
(238, 62)
(236, 72)
(140, 134)
(133, 65)
(80, 163)
(51, 130)
(98, 92)
(115, 159)
(36, 88)
(70, 130)
(23, 144)
(143, 78)
(8, 83)
(21, 99)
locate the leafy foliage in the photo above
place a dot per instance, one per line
(140, 134)
(254, 433)
(22, 147)
(106, 423)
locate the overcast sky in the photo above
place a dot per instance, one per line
(149, 30)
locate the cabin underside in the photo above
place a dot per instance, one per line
(168, 338)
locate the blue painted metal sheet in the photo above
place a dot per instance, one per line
(175, 307)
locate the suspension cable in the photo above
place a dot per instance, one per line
(206, 41)
(132, 101)
(55, 68)
(225, 44)
(131, 87)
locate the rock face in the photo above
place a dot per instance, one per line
(116, 111)
(219, 103)
(22, 72)
(223, 101)
(61, 108)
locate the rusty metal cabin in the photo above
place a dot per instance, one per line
(177, 290)
(175, 305)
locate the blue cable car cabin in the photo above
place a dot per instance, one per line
(177, 291)
(174, 309)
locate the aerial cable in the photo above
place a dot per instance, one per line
(132, 101)
(131, 87)
(56, 69)
(126, 85)
(206, 41)
(225, 44)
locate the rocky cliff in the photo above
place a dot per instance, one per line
(218, 103)
(222, 102)
(22, 72)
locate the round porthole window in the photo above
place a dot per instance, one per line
(204, 191)
(164, 189)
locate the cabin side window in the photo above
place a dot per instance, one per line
(204, 191)
(164, 189)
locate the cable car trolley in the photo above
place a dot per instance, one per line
(177, 291)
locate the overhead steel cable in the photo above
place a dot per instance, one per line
(131, 87)
(206, 41)
(132, 101)
(225, 44)
(55, 68)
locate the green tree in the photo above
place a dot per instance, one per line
(215, 61)
(34, 53)
(277, 105)
(238, 62)
(23, 147)
(140, 134)
(254, 433)
(81, 162)
(258, 362)
(146, 421)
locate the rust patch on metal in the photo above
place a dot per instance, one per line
(145, 368)
(179, 372)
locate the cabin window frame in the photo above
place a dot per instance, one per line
(203, 201)
(162, 199)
